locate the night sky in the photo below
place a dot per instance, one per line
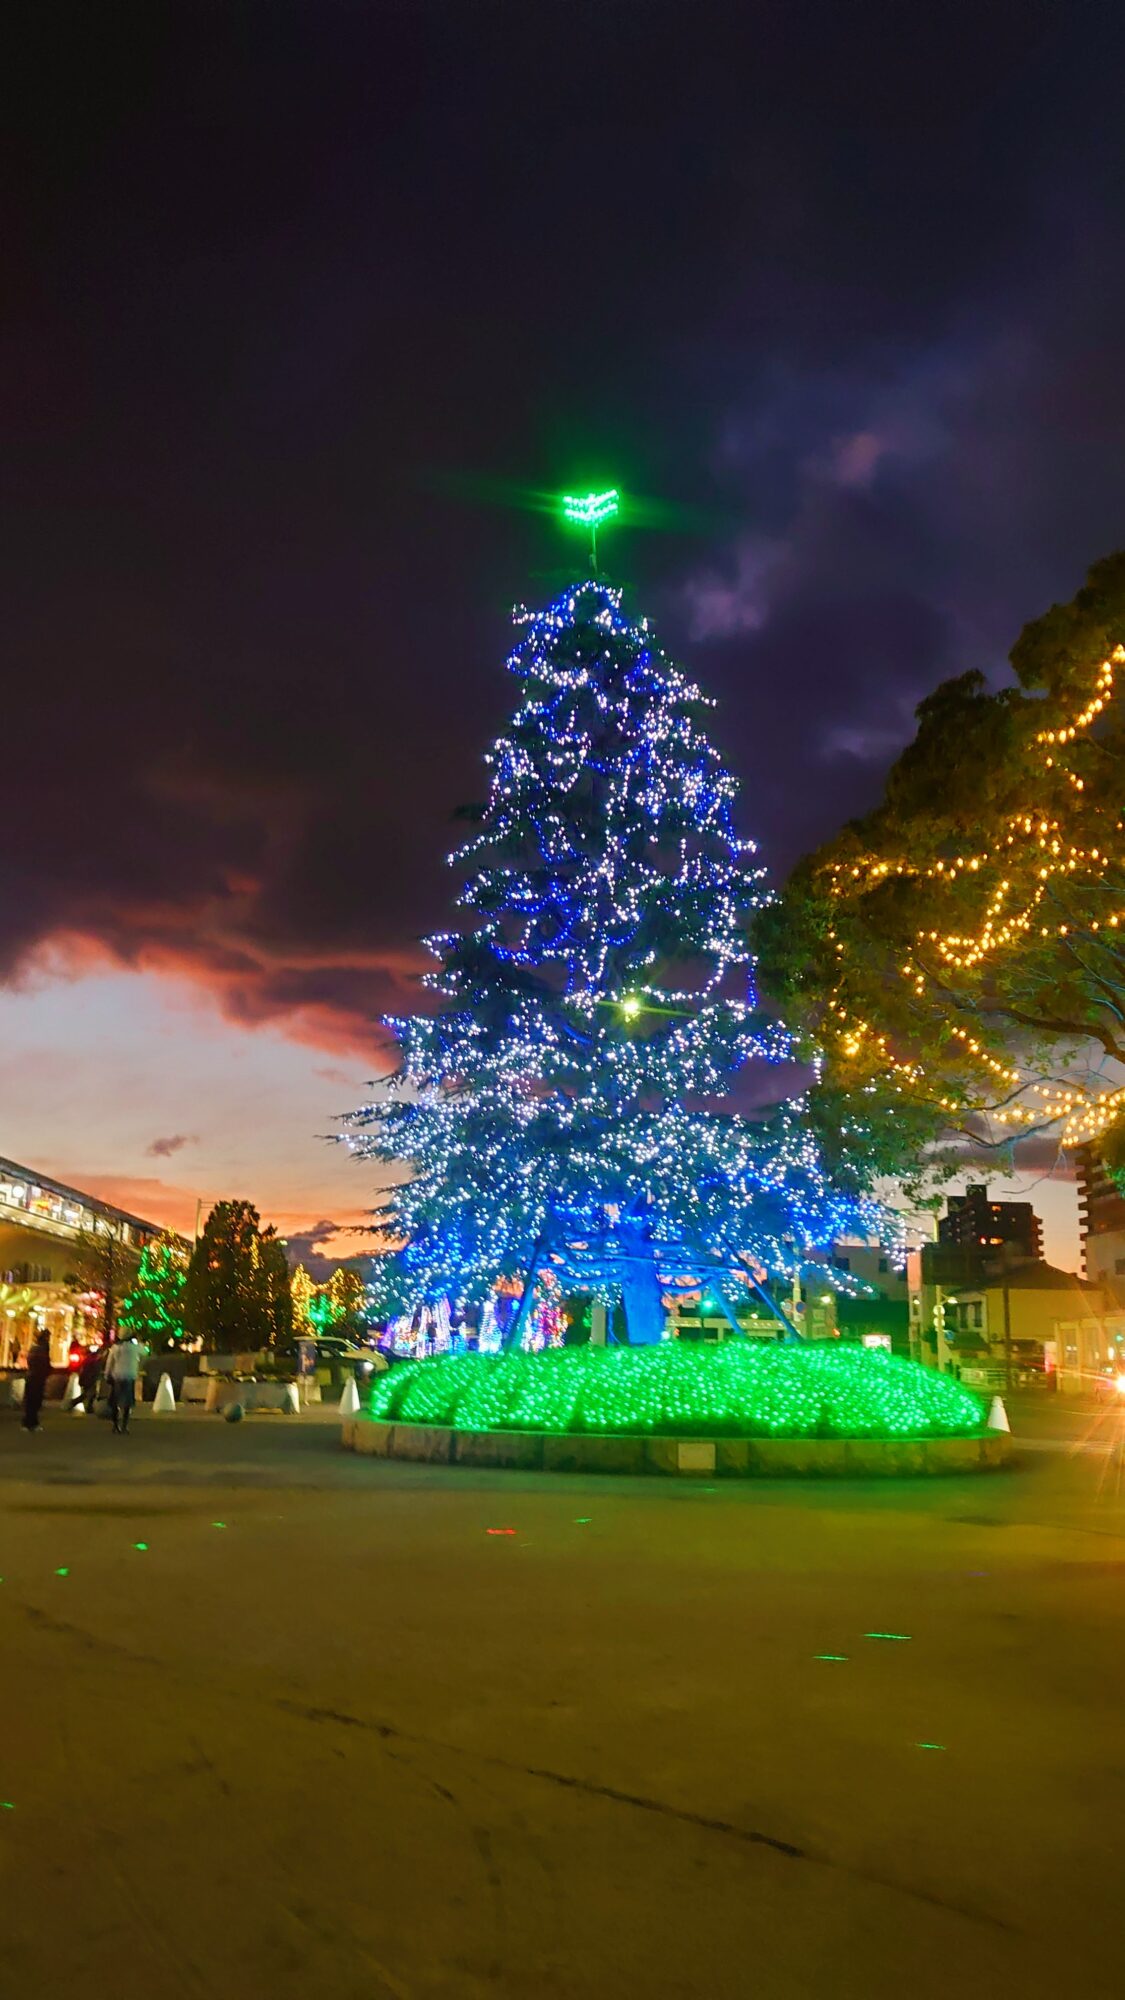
(306, 303)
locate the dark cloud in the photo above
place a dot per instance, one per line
(940, 499)
(326, 1245)
(850, 296)
(1039, 1153)
(1042, 1154)
(163, 1149)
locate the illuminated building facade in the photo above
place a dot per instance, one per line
(972, 1221)
(45, 1230)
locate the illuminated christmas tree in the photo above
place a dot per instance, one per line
(562, 1117)
(237, 1296)
(337, 1307)
(152, 1310)
(301, 1293)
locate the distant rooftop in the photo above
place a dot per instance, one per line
(1029, 1277)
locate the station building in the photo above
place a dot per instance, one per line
(47, 1231)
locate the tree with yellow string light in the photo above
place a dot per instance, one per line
(961, 951)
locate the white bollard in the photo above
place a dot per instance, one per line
(349, 1401)
(998, 1415)
(164, 1401)
(292, 1404)
(72, 1393)
(78, 1409)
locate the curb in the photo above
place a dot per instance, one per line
(731, 1458)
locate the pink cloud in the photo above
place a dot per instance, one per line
(855, 458)
(320, 999)
(721, 606)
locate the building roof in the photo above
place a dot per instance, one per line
(1031, 1277)
(35, 1179)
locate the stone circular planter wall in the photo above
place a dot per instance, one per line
(738, 1458)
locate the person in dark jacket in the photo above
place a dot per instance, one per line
(88, 1377)
(35, 1388)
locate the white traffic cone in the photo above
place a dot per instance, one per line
(164, 1401)
(78, 1409)
(998, 1415)
(291, 1407)
(72, 1393)
(349, 1401)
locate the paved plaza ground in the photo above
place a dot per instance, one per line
(282, 1722)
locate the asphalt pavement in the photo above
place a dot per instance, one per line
(281, 1721)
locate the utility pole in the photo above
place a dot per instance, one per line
(1007, 1335)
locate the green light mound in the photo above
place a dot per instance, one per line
(741, 1389)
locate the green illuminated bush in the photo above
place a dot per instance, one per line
(743, 1388)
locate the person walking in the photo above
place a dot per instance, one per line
(88, 1377)
(35, 1388)
(123, 1365)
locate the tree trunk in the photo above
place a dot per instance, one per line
(514, 1336)
(640, 1293)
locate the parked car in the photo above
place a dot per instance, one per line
(340, 1353)
(339, 1347)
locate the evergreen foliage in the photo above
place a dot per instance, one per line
(237, 1297)
(153, 1310)
(568, 1106)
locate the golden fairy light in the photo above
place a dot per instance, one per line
(1021, 908)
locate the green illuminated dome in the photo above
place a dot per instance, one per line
(740, 1389)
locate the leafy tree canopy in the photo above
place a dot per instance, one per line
(960, 953)
(107, 1267)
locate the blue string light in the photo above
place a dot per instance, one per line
(562, 1109)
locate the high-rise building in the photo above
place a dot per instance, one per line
(973, 1222)
(1101, 1221)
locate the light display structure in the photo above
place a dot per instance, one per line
(745, 1388)
(562, 1118)
(152, 1311)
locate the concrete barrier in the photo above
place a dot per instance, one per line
(726, 1458)
(252, 1395)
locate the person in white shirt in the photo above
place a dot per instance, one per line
(123, 1365)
